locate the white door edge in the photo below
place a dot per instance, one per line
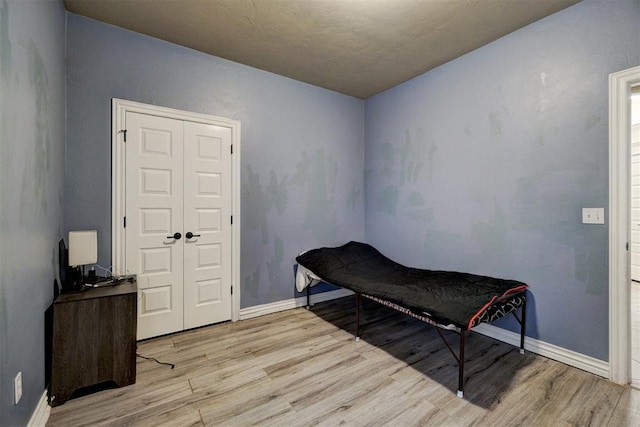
(619, 234)
(119, 109)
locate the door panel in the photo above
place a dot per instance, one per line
(156, 300)
(207, 214)
(154, 211)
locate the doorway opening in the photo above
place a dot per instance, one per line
(620, 87)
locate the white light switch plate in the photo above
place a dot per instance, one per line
(593, 215)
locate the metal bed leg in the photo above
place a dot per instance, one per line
(459, 357)
(460, 392)
(308, 297)
(523, 324)
(357, 317)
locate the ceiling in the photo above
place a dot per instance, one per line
(355, 47)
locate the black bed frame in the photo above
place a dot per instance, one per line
(461, 332)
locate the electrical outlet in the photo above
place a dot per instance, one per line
(593, 215)
(17, 388)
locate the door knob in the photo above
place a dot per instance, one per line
(176, 236)
(190, 235)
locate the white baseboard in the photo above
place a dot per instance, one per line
(40, 415)
(274, 307)
(560, 354)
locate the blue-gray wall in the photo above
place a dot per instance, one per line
(483, 165)
(31, 181)
(302, 146)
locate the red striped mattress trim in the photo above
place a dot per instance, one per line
(492, 301)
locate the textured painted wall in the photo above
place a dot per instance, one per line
(302, 146)
(31, 182)
(483, 165)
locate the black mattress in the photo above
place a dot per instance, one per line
(446, 296)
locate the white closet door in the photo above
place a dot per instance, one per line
(154, 212)
(635, 202)
(635, 217)
(207, 215)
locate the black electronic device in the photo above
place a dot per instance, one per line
(70, 277)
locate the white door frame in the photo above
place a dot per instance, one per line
(119, 109)
(620, 84)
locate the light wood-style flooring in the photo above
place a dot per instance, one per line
(302, 368)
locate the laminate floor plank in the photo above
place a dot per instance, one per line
(202, 344)
(344, 394)
(183, 416)
(303, 367)
(374, 407)
(519, 402)
(627, 411)
(270, 412)
(422, 413)
(226, 379)
(306, 365)
(156, 346)
(231, 403)
(109, 406)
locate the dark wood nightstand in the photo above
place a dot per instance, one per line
(94, 339)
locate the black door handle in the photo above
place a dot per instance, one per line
(176, 236)
(190, 235)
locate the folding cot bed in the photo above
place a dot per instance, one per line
(447, 300)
